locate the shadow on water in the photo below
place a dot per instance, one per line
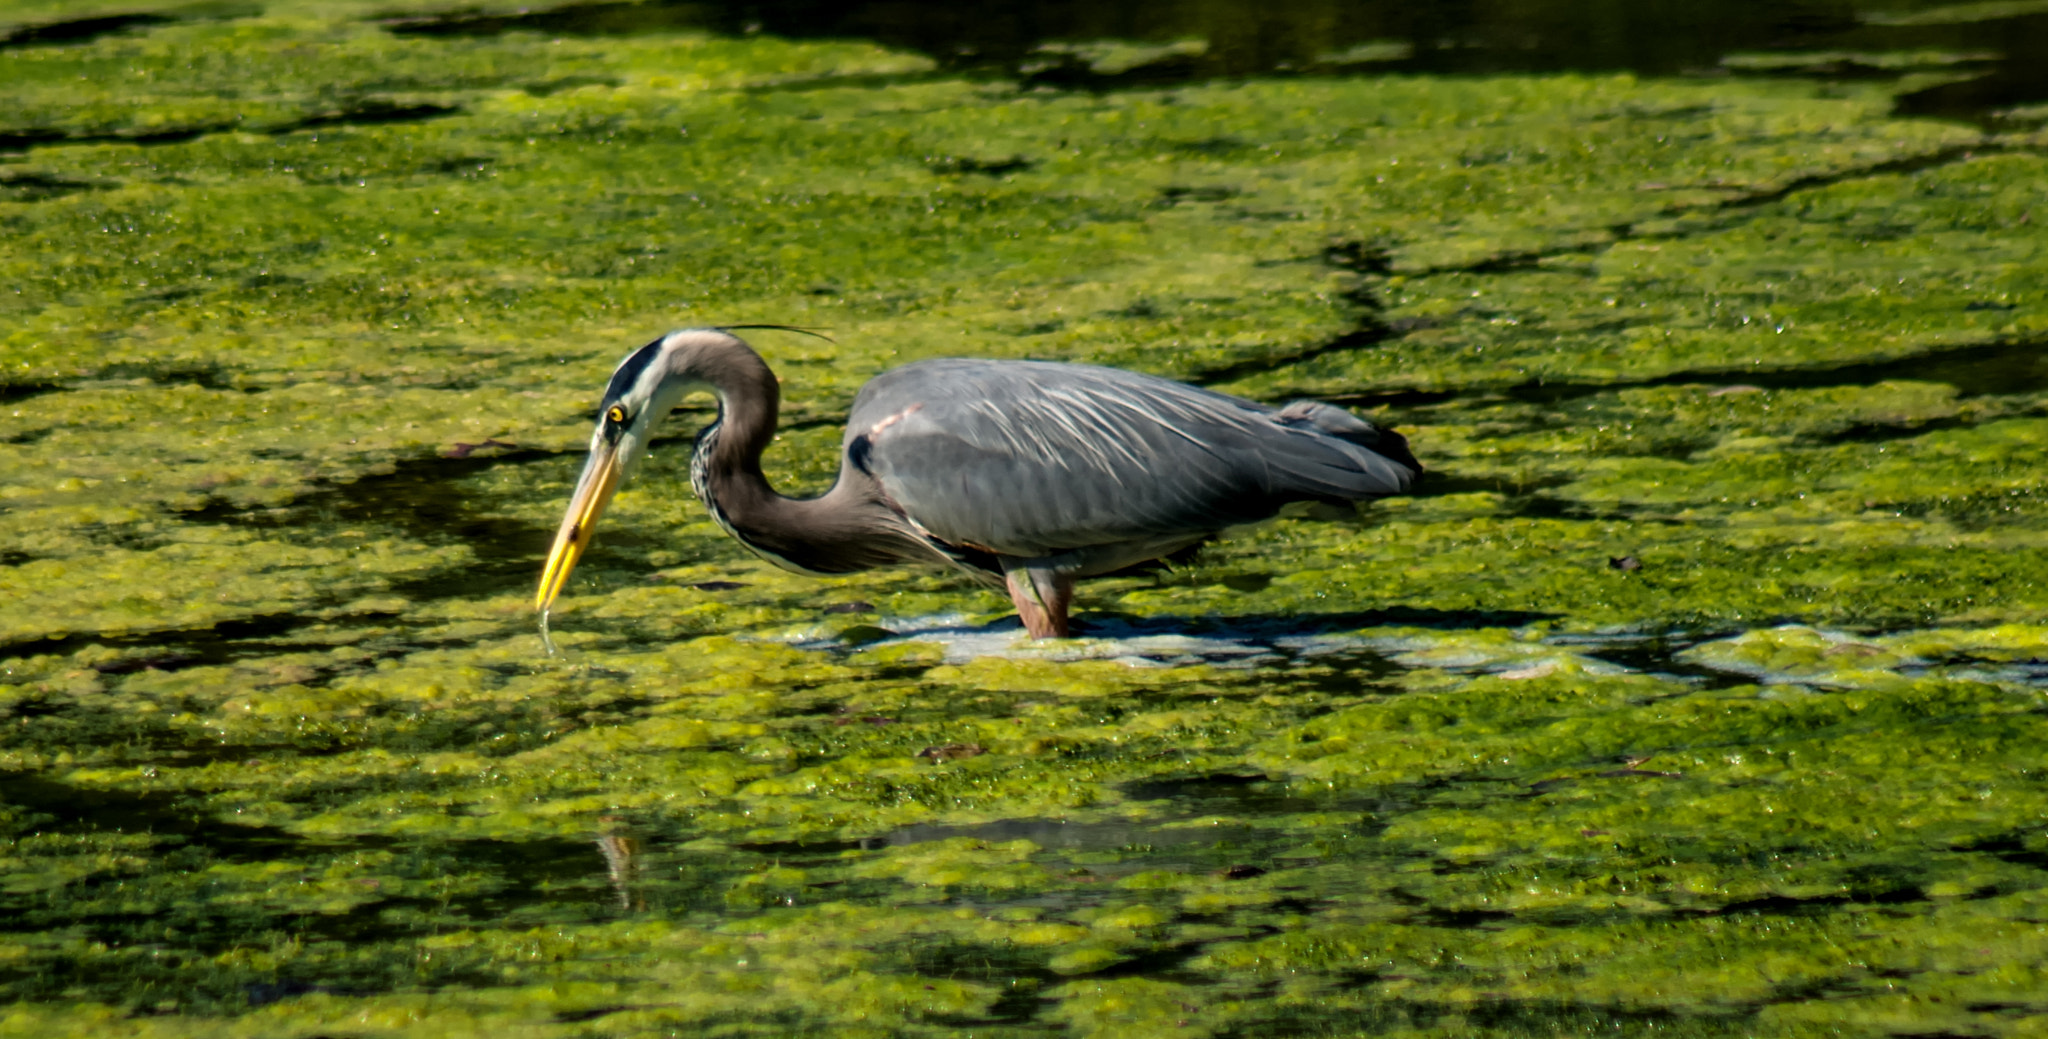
(221, 643)
(1657, 656)
(421, 500)
(1987, 369)
(1312, 651)
(506, 878)
(79, 30)
(366, 112)
(1223, 793)
(65, 807)
(2020, 78)
(1283, 625)
(1992, 368)
(1007, 38)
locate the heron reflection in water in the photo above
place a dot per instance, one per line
(1027, 474)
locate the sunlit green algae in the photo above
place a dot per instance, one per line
(1700, 689)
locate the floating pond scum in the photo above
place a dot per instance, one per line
(1702, 689)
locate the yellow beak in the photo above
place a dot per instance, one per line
(593, 492)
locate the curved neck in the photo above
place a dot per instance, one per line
(749, 403)
(836, 533)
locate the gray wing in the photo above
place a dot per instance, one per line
(1030, 458)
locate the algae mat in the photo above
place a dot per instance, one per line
(1700, 690)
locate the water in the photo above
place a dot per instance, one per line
(1301, 36)
(1443, 765)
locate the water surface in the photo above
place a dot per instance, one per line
(1699, 688)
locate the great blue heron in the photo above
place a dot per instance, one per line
(1027, 473)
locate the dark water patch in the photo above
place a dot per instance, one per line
(171, 135)
(20, 139)
(1544, 506)
(1314, 37)
(162, 899)
(1277, 628)
(808, 849)
(172, 373)
(65, 808)
(1370, 332)
(1659, 657)
(1392, 616)
(1345, 254)
(1018, 1002)
(1365, 264)
(1818, 905)
(264, 993)
(1501, 1016)
(419, 499)
(1211, 193)
(2019, 77)
(1466, 919)
(167, 660)
(1166, 962)
(1225, 793)
(2014, 847)
(1885, 432)
(1968, 100)
(953, 165)
(363, 112)
(1438, 484)
(548, 88)
(979, 961)
(1256, 582)
(534, 871)
(571, 1017)
(540, 873)
(30, 186)
(1505, 262)
(1847, 68)
(1560, 1017)
(14, 391)
(612, 18)
(1072, 72)
(79, 30)
(168, 294)
(1062, 836)
(1983, 370)
(217, 644)
(1974, 512)
(369, 112)
(15, 139)
(1905, 164)
(850, 81)
(1740, 199)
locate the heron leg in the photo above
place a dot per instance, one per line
(1042, 595)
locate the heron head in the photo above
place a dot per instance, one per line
(644, 388)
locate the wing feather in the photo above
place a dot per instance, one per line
(1030, 459)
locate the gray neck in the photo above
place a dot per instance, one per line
(847, 529)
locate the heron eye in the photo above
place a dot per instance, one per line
(617, 414)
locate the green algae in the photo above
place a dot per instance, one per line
(1701, 679)
(1644, 814)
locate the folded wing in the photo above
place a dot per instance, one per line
(1032, 459)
